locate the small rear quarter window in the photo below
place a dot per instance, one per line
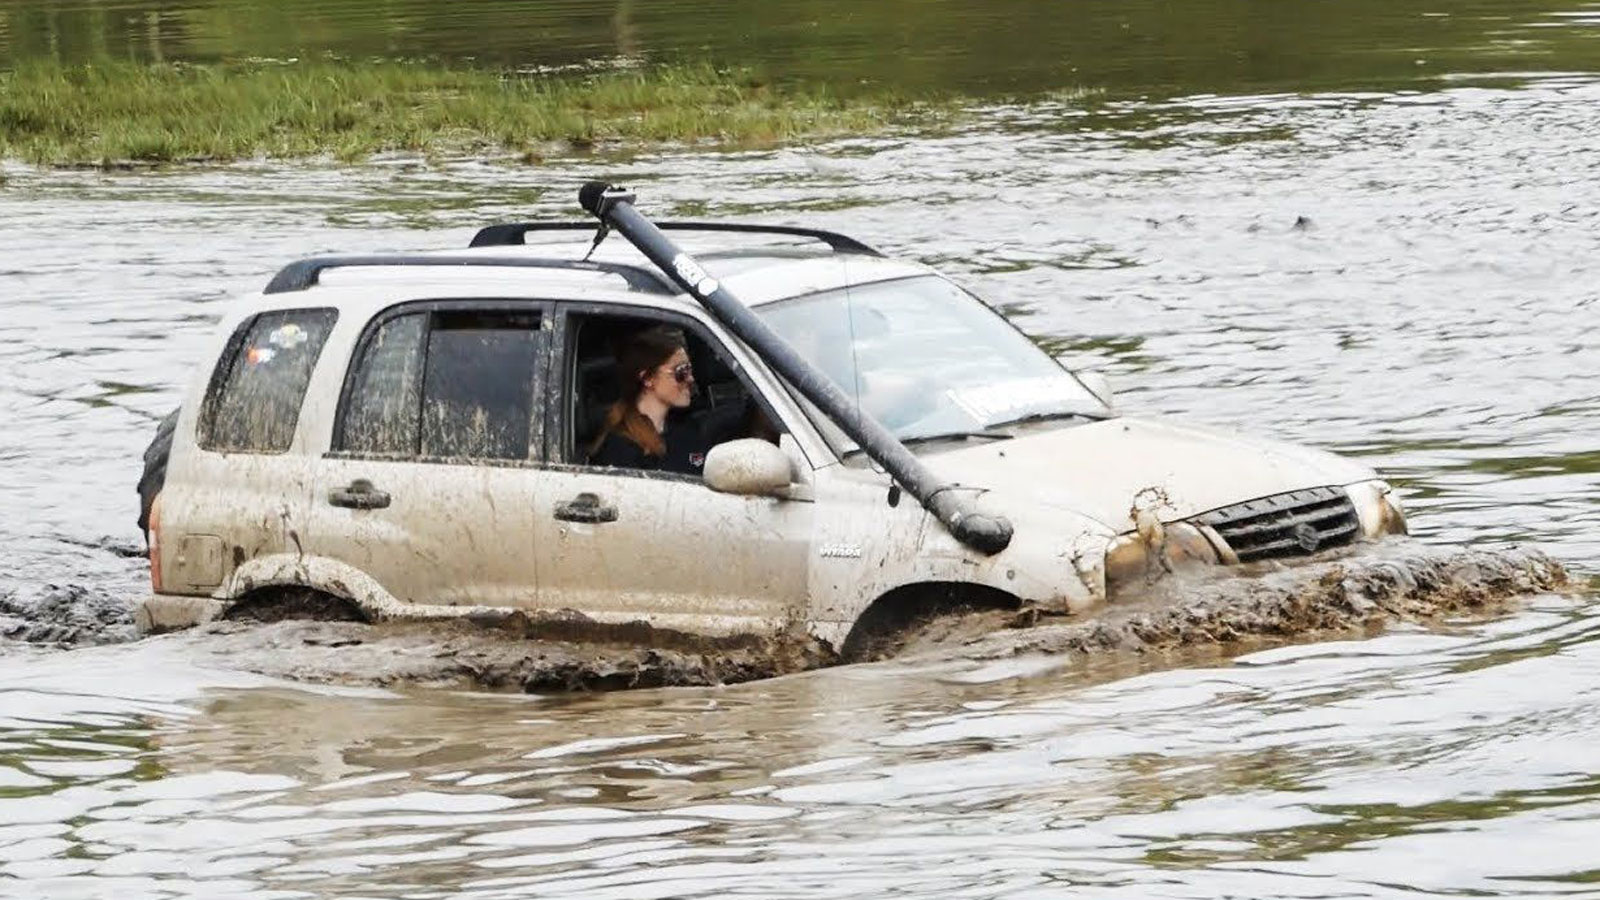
(253, 403)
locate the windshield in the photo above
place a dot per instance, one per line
(927, 359)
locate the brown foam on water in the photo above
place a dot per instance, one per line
(1356, 593)
(66, 616)
(1360, 592)
(490, 656)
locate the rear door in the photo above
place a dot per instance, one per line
(237, 490)
(431, 480)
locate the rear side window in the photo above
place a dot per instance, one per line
(254, 400)
(449, 383)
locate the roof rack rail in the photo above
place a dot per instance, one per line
(516, 233)
(303, 274)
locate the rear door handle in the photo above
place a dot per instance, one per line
(359, 494)
(586, 508)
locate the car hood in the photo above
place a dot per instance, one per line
(1098, 468)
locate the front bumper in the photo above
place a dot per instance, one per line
(1292, 524)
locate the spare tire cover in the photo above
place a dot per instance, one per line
(155, 468)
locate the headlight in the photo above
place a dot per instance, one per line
(1378, 507)
(1132, 561)
(1128, 563)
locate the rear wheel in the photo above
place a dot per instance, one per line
(276, 604)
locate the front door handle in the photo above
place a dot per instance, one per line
(586, 508)
(359, 494)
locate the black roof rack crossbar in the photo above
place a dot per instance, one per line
(302, 274)
(515, 233)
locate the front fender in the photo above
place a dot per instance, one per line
(1055, 559)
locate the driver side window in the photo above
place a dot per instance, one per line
(599, 396)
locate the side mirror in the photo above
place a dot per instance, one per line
(747, 466)
(1098, 386)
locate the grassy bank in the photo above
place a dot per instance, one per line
(113, 112)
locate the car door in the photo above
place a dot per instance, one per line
(431, 480)
(625, 545)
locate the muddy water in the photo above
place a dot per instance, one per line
(1406, 277)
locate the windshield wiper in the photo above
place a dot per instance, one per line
(956, 436)
(1046, 417)
(944, 436)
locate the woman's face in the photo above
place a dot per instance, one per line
(672, 381)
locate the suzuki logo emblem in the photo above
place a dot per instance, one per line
(1307, 537)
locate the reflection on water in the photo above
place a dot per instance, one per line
(1446, 761)
(1404, 277)
(1128, 47)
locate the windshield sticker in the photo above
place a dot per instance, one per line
(1007, 400)
(258, 355)
(287, 337)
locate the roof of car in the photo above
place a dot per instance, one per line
(752, 266)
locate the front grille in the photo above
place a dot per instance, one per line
(1292, 524)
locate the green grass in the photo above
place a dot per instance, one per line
(114, 113)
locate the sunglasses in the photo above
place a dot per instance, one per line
(682, 373)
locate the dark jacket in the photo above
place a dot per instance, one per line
(687, 438)
(685, 450)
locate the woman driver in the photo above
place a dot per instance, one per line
(656, 378)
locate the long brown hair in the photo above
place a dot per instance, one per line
(638, 355)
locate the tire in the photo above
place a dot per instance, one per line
(155, 469)
(281, 604)
(881, 630)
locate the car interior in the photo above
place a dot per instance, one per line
(592, 373)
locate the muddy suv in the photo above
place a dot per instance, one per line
(408, 435)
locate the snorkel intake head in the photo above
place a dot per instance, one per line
(597, 197)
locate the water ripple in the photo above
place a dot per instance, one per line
(1409, 279)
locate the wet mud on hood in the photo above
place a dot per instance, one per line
(1097, 469)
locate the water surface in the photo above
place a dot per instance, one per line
(1407, 275)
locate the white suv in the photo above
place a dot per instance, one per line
(407, 434)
